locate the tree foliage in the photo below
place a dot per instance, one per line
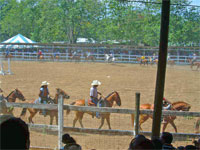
(102, 20)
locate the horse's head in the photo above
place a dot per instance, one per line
(63, 93)
(18, 94)
(183, 106)
(1, 90)
(114, 96)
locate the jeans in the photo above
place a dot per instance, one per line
(95, 100)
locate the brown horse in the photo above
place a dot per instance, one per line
(171, 62)
(51, 113)
(196, 63)
(143, 61)
(178, 106)
(197, 124)
(12, 98)
(107, 102)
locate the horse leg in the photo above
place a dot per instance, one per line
(80, 120)
(108, 121)
(173, 125)
(143, 118)
(56, 119)
(32, 114)
(75, 119)
(102, 122)
(164, 126)
(51, 119)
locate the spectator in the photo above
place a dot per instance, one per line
(70, 143)
(166, 139)
(157, 144)
(140, 142)
(14, 133)
(190, 147)
(197, 143)
(181, 148)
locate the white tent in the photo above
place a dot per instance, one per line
(16, 39)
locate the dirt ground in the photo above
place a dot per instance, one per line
(181, 84)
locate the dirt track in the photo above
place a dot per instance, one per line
(181, 84)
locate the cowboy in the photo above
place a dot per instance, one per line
(44, 95)
(39, 53)
(194, 58)
(94, 93)
(44, 92)
(166, 106)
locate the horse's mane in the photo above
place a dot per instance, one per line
(109, 94)
(9, 94)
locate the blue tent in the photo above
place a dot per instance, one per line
(16, 39)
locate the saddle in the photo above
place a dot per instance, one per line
(88, 102)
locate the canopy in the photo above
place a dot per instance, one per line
(16, 39)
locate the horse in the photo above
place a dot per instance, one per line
(107, 102)
(51, 113)
(196, 63)
(109, 58)
(143, 61)
(178, 106)
(12, 99)
(89, 57)
(55, 57)
(197, 124)
(171, 62)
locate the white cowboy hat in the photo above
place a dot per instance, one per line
(44, 83)
(96, 82)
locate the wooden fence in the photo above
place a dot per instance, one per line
(60, 128)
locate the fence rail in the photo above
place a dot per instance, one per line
(102, 109)
(98, 57)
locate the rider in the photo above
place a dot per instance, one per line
(142, 58)
(94, 93)
(166, 106)
(44, 94)
(194, 58)
(39, 53)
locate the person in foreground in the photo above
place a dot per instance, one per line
(70, 143)
(166, 139)
(14, 133)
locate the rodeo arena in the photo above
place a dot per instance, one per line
(131, 80)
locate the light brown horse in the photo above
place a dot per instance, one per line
(197, 124)
(143, 61)
(178, 106)
(196, 63)
(107, 102)
(12, 98)
(51, 113)
(171, 62)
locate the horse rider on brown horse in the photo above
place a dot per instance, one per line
(94, 93)
(166, 106)
(44, 94)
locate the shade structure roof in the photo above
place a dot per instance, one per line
(16, 39)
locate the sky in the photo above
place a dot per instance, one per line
(196, 2)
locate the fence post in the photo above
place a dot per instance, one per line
(137, 113)
(60, 121)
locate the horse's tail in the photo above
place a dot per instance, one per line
(132, 119)
(23, 113)
(68, 111)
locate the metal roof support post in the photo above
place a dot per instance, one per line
(160, 81)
